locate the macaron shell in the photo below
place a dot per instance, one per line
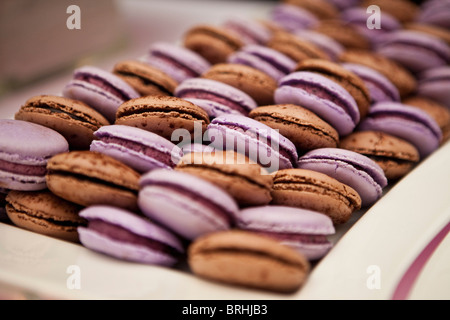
(291, 18)
(322, 9)
(347, 35)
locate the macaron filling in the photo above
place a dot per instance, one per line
(102, 84)
(23, 169)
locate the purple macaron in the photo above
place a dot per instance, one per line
(327, 44)
(254, 139)
(178, 62)
(291, 17)
(125, 235)
(100, 89)
(414, 50)
(185, 204)
(265, 59)
(25, 149)
(435, 84)
(435, 12)
(323, 96)
(380, 88)
(351, 168)
(406, 122)
(225, 98)
(248, 30)
(140, 149)
(301, 229)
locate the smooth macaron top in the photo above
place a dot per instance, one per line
(291, 17)
(249, 30)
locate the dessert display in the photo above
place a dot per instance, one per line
(234, 154)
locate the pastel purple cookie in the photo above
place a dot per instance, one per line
(140, 149)
(231, 99)
(25, 149)
(292, 17)
(322, 96)
(100, 89)
(254, 139)
(351, 168)
(302, 229)
(265, 59)
(406, 122)
(344, 4)
(414, 50)
(327, 44)
(435, 13)
(178, 62)
(435, 84)
(125, 235)
(380, 88)
(248, 30)
(185, 204)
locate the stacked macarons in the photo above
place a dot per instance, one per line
(239, 149)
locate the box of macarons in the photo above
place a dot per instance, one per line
(225, 150)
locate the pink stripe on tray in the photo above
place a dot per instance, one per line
(406, 283)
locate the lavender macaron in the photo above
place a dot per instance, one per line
(265, 59)
(291, 17)
(327, 44)
(250, 31)
(140, 149)
(185, 204)
(100, 89)
(218, 97)
(434, 84)
(435, 12)
(125, 235)
(405, 122)
(25, 149)
(349, 167)
(254, 139)
(178, 62)
(302, 229)
(324, 97)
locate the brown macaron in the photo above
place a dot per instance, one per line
(315, 191)
(403, 10)
(295, 47)
(213, 43)
(88, 178)
(73, 119)
(346, 34)
(257, 84)
(246, 181)
(394, 155)
(162, 115)
(145, 79)
(342, 76)
(437, 111)
(398, 75)
(322, 9)
(247, 259)
(45, 213)
(304, 128)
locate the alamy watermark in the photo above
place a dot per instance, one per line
(374, 20)
(74, 20)
(373, 281)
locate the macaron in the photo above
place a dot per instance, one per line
(316, 191)
(245, 259)
(380, 88)
(215, 97)
(100, 89)
(401, 77)
(145, 79)
(140, 149)
(246, 181)
(185, 204)
(351, 168)
(73, 119)
(250, 31)
(434, 84)
(44, 213)
(323, 96)
(265, 59)
(25, 149)
(323, 9)
(344, 4)
(434, 13)
(213, 43)
(127, 236)
(302, 229)
(403, 10)
(347, 79)
(162, 115)
(302, 127)
(88, 178)
(405, 122)
(257, 141)
(414, 50)
(295, 47)
(395, 156)
(328, 45)
(180, 63)
(436, 31)
(291, 18)
(257, 84)
(344, 33)
(439, 112)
